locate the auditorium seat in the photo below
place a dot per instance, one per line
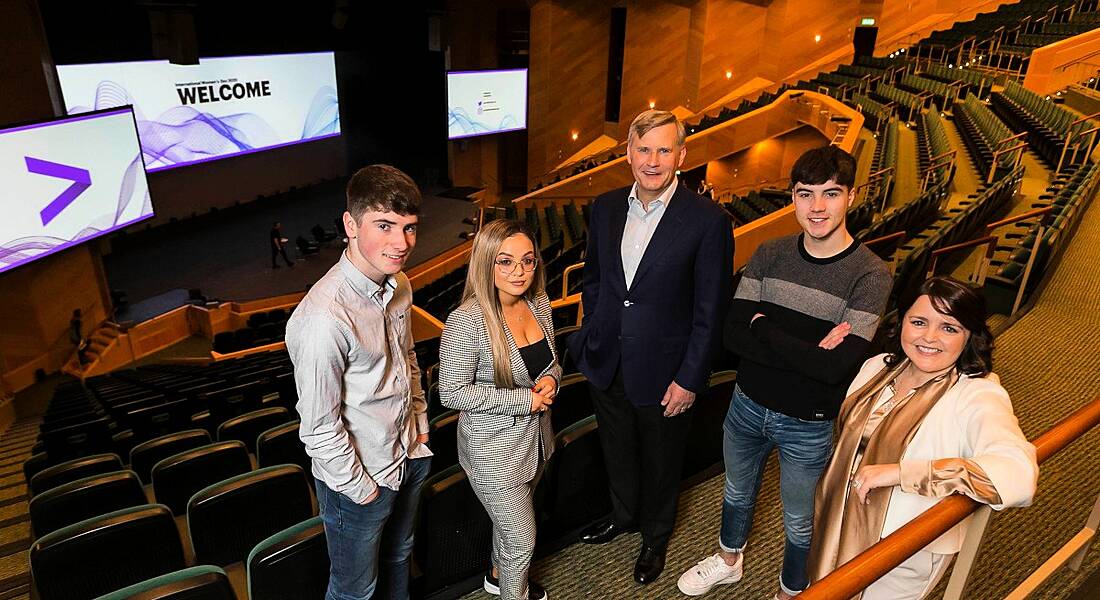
(84, 498)
(704, 450)
(573, 402)
(227, 519)
(281, 445)
(232, 401)
(72, 470)
(177, 477)
(162, 419)
(561, 343)
(453, 534)
(80, 439)
(573, 490)
(106, 553)
(249, 426)
(204, 582)
(34, 464)
(290, 565)
(443, 441)
(147, 454)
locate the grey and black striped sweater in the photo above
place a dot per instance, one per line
(803, 298)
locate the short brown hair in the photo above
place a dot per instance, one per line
(652, 119)
(382, 188)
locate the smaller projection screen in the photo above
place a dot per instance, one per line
(218, 108)
(68, 181)
(484, 102)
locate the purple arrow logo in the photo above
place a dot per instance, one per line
(81, 179)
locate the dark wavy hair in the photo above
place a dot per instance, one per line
(961, 302)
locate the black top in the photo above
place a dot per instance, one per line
(537, 357)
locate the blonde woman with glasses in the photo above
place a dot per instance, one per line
(499, 367)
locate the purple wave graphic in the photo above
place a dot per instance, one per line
(184, 135)
(133, 203)
(324, 114)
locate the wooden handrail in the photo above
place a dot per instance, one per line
(964, 245)
(871, 564)
(897, 235)
(1020, 217)
(980, 268)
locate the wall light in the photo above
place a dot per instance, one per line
(817, 38)
(652, 103)
(574, 135)
(729, 74)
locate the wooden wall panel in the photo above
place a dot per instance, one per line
(568, 83)
(678, 53)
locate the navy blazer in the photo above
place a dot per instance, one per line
(668, 325)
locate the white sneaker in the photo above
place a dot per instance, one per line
(707, 573)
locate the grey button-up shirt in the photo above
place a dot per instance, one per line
(640, 225)
(359, 393)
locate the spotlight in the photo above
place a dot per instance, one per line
(652, 104)
(817, 38)
(574, 135)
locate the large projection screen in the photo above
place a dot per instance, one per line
(220, 107)
(484, 102)
(68, 181)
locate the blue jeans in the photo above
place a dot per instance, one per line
(360, 537)
(751, 431)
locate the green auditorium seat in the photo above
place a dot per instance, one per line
(83, 499)
(227, 519)
(573, 491)
(290, 565)
(72, 470)
(249, 426)
(204, 582)
(177, 477)
(281, 445)
(443, 441)
(454, 533)
(106, 553)
(145, 455)
(573, 402)
(705, 440)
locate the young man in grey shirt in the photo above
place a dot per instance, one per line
(364, 419)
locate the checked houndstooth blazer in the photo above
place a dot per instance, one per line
(498, 437)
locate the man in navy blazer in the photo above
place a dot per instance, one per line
(656, 283)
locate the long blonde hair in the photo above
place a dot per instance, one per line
(481, 288)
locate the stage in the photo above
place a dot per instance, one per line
(226, 255)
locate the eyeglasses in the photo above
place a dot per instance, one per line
(508, 266)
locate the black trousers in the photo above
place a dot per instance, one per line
(281, 250)
(644, 455)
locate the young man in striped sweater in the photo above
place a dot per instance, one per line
(802, 322)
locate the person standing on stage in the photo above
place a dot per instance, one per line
(278, 245)
(498, 365)
(656, 284)
(364, 420)
(802, 321)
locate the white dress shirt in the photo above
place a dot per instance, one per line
(359, 393)
(640, 225)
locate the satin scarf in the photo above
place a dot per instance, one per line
(842, 526)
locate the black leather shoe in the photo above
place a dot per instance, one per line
(603, 532)
(651, 561)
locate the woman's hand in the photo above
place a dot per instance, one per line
(540, 402)
(870, 477)
(547, 386)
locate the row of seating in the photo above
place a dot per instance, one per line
(942, 92)
(249, 337)
(755, 204)
(1068, 196)
(983, 133)
(1048, 125)
(226, 523)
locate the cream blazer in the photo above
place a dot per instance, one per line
(973, 420)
